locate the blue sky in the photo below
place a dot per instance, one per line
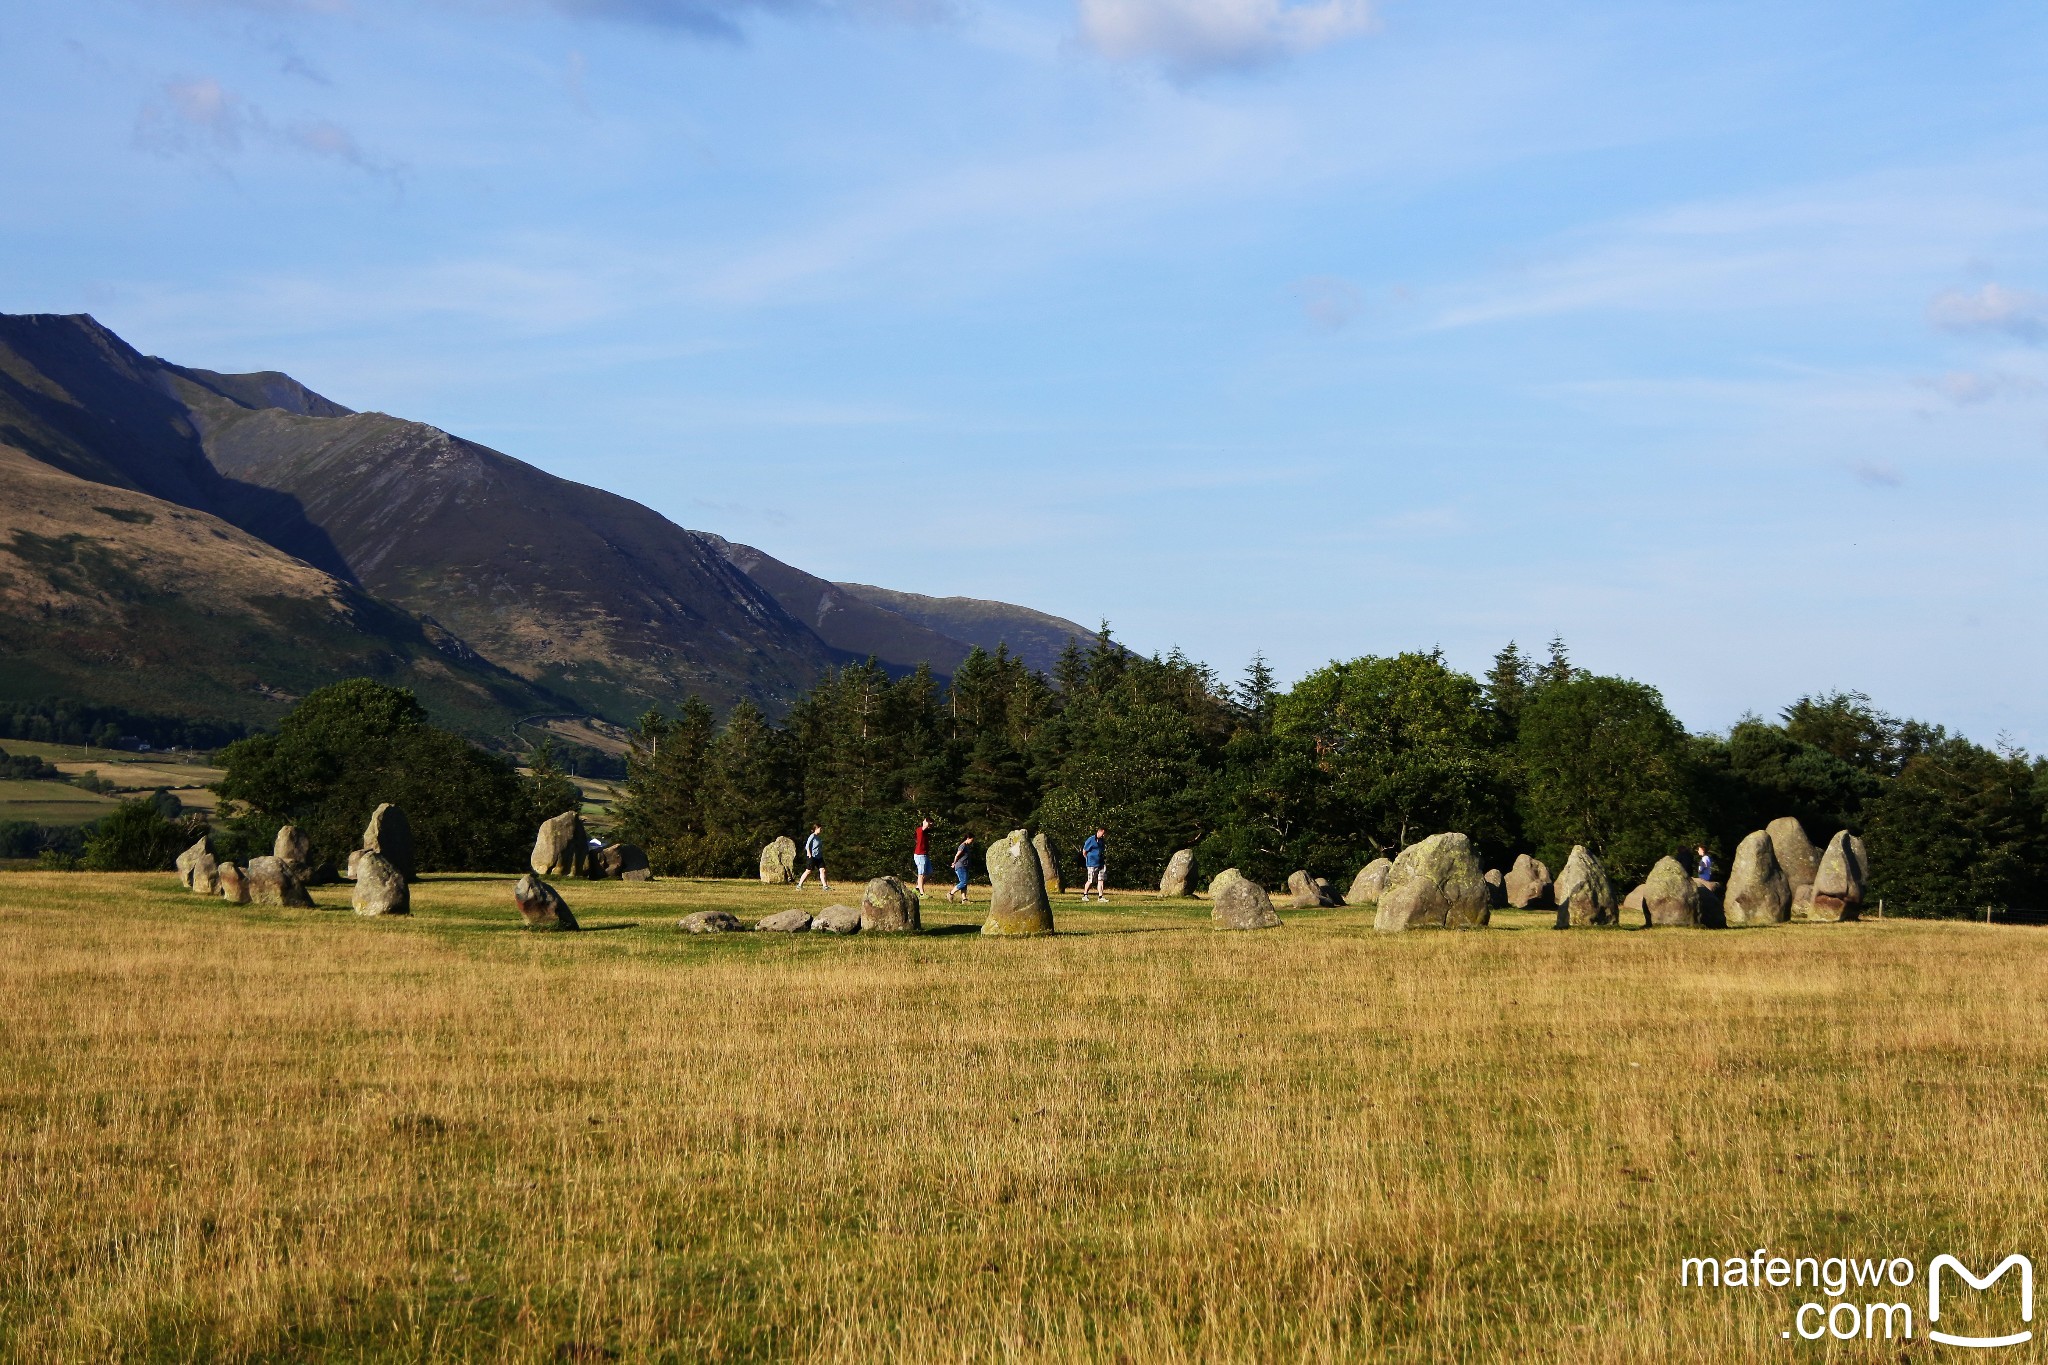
(1713, 337)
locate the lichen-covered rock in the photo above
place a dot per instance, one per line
(540, 905)
(380, 887)
(1757, 892)
(293, 848)
(1049, 865)
(1496, 889)
(1436, 883)
(710, 922)
(1243, 904)
(1370, 883)
(1797, 858)
(623, 862)
(561, 848)
(234, 887)
(1671, 898)
(199, 870)
(1841, 879)
(1222, 880)
(786, 922)
(887, 906)
(1179, 877)
(389, 834)
(1310, 892)
(1584, 895)
(1528, 882)
(1017, 903)
(778, 861)
(272, 881)
(836, 919)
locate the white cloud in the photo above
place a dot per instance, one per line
(2020, 313)
(203, 118)
(1190, 37)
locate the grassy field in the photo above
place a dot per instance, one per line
(244, 1134)
(52, 803)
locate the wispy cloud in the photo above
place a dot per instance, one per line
(1877, 473)
(1194, 37)
(1995, 308)
(203, 119)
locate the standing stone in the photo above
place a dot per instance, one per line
(778, 861)
(1798, 859)
(541, 906)
(348, 871)
(1528, 882)
(1583, 893)
(199, 870)
(1671, 897)
(1017, 903)
(1436, 883)
(786, 922)
(1310, 892)
(1841, 879)
(234, 887)
(273, 882)
(389, 833)
(837, 919)
(623, 862)
(1632, 903)
(1370, 883)
(1179, 877)
(1049, 865)
(561, 848)
(1243, 904)
(711, 922)
(1757, 892)
(1496, 889)
(380, 887)
(295, 850)
(1219, 883)
(887, 906)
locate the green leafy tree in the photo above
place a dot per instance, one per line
(1961, 828)
(136, 836)
(1605, 765)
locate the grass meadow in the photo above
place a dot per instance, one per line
(232, 1133)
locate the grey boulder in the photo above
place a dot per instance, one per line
(1436, 883)
(710, 922)
(1797, 858)
(1049, 865)
(1243, 904)
(1841, 879)
(561, 847)
(380, 887)
(540, 905)
(887, 906)
(199, 870)
(1017, 905)
(389, 834)
(272, 881)
(1757, 892)
(1370, 883)
(786, 922)
(836, 919)
(1584, 895)
(294, 849)
(234, 887)
(778, 861)
(1671, 898)
(1179, 877)
(1528, 882)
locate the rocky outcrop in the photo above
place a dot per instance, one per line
(836, 919)
(294, 849)
(786, 922)
(710, 922)
(389, 834)
(1671, 898)
(541, 906)
(887, 906)
(1179, 877)
(561, 848)
(1841, 879)
(778, 861)
(234, 886)
(1528, 883)
(1243, 904)
(1370, 883)
(1757, 892)
(199, 870)
(1436, 883)
(1017, 901)
(1584, 895)
(272, 881)
(380, 887)
(1049, 865)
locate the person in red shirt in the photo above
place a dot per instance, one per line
(920, 853)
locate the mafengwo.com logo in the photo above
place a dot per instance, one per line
(1874, 1299)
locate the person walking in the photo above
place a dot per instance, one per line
(1706, 872)
(960, 869)
(920, 852)
(1095, 863)
(814, 858)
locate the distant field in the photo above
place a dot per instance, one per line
(52, 803)
(82, 753)
(242, 1134)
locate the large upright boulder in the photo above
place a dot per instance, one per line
(1370, 883)
(887, 906)
(1310, 892)
(234, 887)
(199, 870)
(1756, 892)
(1528, 882)
(541, 906)
(294, 848)
(1584, 895)
(272, 881)
(1671, 898)
(1220, 883)
(1243, 904)
(1017, 902)
(389, 834)
(1049, 865)
(561, 848)
(1841, 879)
(1436, 883)
(1179, 877)
(1797, 858)
(778, 861)
(380, 887)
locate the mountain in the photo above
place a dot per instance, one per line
(1035, 636)
(579, 600)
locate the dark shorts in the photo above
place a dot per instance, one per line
(816, 864)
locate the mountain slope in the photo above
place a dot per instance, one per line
(1035, 636)
(848, 623)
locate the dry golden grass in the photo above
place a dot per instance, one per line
(239, 1134)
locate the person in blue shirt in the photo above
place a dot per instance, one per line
(1706, 872)
(1095, 860)
(814, 858)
